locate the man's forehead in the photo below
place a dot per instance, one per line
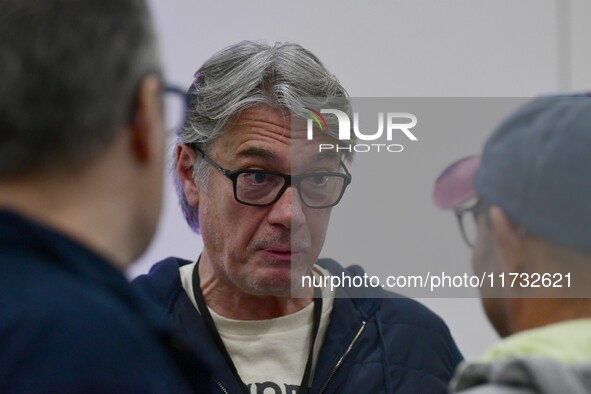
(277, 156)
(262, 128)
(280, 119)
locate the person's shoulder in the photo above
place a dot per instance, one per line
(403, 310)
(76, 337)
(393, 307)
(522, 374)
(163, 283)
(402, 320)
(495, 389)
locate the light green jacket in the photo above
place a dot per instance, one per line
(554, 359)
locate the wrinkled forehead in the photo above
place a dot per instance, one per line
(280, 120)
(277, 135)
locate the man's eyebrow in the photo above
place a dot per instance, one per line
(329, 155)
(256, 152)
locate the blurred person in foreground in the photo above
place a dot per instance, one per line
(260, 194)
(529, 195)
(81, 167)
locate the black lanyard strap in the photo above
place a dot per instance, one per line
(204, 310)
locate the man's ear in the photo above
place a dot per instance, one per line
(147, 126)
(185, 160)
(509, 240)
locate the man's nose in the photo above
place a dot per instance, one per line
(288, 210)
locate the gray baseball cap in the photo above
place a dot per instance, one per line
(537, 167)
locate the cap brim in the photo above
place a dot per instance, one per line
(455, 185)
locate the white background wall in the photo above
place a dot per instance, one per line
(474, 48)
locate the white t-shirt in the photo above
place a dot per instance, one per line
(270, 355)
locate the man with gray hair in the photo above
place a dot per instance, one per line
(527, 201)
(260, 193)
(81, 166)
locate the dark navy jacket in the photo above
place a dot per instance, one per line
(373, 345)
(70, 323)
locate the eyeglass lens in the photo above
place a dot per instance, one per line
(469, 227)
(316, 190)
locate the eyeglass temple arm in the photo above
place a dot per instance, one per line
(210, 161)
(346, 171)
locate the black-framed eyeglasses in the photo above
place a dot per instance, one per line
(468, 220)
(260, 188)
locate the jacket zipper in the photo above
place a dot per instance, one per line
(334, 370)
(221, 387)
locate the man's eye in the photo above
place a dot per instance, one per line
(257, 178)
(319, 180)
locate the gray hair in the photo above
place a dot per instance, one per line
(282, 76)
(69, 71)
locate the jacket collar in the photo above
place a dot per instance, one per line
(363, 299)
(348, 314)
(163, 285)
(568, 341)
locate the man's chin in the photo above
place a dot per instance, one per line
(284, 284)
(280, 278)
(274, 290)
